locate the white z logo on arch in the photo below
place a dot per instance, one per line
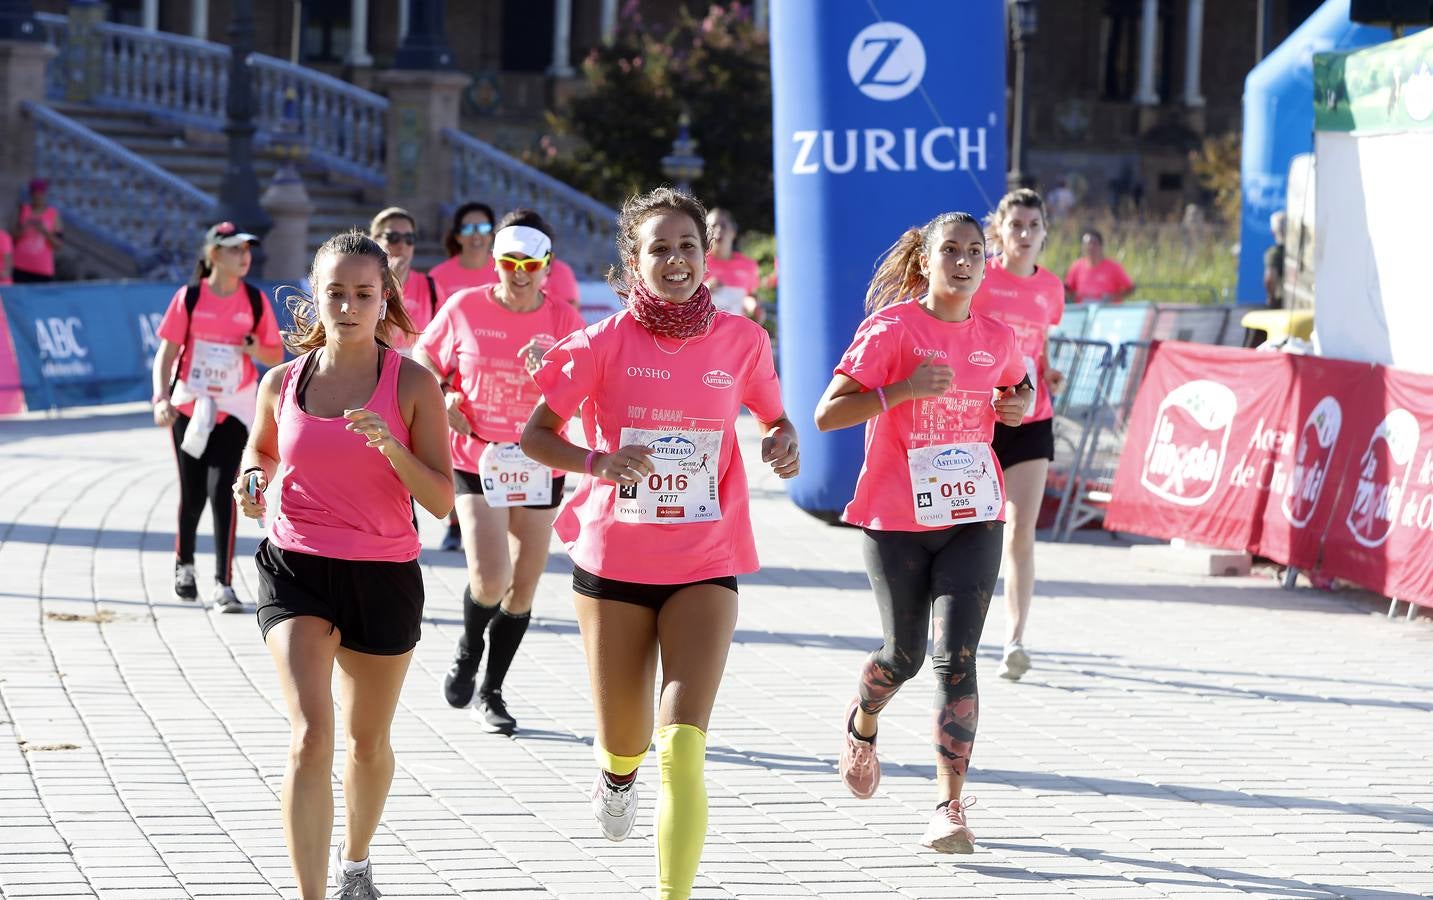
(886, 61)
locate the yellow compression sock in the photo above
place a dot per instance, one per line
(682, 813)
(617, 765)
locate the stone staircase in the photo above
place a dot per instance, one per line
(200, 157)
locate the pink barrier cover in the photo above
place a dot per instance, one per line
(12, 399)
(1323, 464)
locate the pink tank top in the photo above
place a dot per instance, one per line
(339, 497)
(33, 253)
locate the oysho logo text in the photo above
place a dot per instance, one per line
(648, 372)
(930, 353)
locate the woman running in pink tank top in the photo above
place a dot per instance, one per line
(354, 433)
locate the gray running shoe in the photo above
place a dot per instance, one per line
(225, 600)
(185, 587)
(1015, 664)
(352, 887)
(614, 808)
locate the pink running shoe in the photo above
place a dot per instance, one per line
(859, 767)
(947, 832)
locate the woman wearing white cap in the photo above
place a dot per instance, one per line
(483, 344)
(216, 328)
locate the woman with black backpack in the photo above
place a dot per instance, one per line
(205, 381)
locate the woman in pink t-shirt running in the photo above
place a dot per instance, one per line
(1030, 299)
(353, 433)
(483, 347)
(929, 379)
(656, 538)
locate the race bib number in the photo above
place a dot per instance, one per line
(215, 369)
(511, 479)
(953, 484)
(682, 489)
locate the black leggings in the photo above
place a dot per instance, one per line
(947, 576)
(210, 477)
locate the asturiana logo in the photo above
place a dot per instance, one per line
(672, 447)
(718, 379)
(953, 460)
(510, 453)
(981, 358)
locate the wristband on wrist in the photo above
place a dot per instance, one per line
(881, 395)
(155, 400)
(587, 466)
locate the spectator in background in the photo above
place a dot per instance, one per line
(7, 257)
(37, 233)
(732, 278)
(396, 231)
(1094, 278)
(1274, 262)
(1060, 200)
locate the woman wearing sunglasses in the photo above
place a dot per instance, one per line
(484, 345)
(469, 243)
(396, 231)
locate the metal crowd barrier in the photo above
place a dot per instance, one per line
(1091, 418)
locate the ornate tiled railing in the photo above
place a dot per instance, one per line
(586, 230)
(186, 80)
(158, 218)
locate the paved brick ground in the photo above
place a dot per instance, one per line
(1179, 737)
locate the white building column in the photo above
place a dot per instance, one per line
(760, 11)
(609, 21)
(1148, 44)
(149, 15)
(358, 34)
(1193, 48)
(402, 20)
(199, 19)
(561, 40)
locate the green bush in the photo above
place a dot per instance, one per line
(717, 69)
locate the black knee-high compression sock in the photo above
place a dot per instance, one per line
(506, 635)
(475, 621)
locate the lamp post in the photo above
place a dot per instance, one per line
(1024, 21)
(424, 44)
(239, 191)
(17, 21)
(682, 165)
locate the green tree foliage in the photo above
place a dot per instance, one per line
(717, 68)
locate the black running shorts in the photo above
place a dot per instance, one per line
(377, 607)
(652, 596)
(1022, 443)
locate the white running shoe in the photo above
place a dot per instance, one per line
(358, 886)
(947, 831)
(185, 587)
(1016, 662)
(615, 809)
(225, 600)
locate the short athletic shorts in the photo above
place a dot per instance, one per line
(1022, 443)
(472, 483)
(652, 596)
(377, 607)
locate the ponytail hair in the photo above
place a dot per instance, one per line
(308, 333)
(202, 267)
(898, 275)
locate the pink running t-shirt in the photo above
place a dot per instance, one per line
(561, 285)
(622, 376)
(418, 303)
(218, 320)
(1102, 282)
(736, 278)
(33, 253)
(887, 348)
(474, 342)
(1029, 306)
(339, 497)
(451, 277)
(7, 248)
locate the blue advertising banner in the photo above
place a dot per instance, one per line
(89, 343)
(886, 114)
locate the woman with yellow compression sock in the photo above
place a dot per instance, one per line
(659, 527)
